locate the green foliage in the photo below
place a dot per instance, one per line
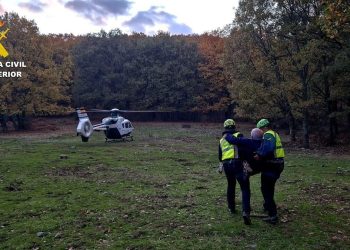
(282, 64)
(129, 72)
(336, 19)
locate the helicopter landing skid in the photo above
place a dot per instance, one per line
(123, 139)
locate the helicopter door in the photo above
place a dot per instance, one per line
(127, 128)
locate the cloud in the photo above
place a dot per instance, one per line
(98, 10)
(2, 10)
(154, 16)
(179, 28)
(33, 6)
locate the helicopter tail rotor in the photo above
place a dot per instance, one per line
(84, 128)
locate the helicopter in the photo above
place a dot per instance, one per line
(115, 127)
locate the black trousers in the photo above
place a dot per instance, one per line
(269, 176)
(234, 171)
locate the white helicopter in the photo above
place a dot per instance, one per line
(115, 127)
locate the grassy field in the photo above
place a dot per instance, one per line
(160, 191)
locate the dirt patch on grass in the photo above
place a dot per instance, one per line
(75, 171)
(99, 172)
(184, 162)
(187, 139)
(341, 152)
(329, 195)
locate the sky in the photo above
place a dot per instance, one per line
(147, 16)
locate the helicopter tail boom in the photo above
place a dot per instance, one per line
(84, 128)
(99, 127)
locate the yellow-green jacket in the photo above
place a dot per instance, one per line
(271, 147)
(228, 151)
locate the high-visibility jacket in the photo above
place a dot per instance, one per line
(228, 150)
(279, 151)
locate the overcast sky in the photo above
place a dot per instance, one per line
(148, 16)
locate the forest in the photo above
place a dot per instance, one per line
(288, 61)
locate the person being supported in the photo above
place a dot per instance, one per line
(247, 148)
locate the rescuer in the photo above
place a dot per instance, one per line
(271, 153)
(229, 158)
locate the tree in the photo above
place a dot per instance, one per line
(44, 85)
(335, 19)
(254, 60)
(211, 68)
(284, 38)
(136, 72)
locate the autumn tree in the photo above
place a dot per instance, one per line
(216, 96)
(285, 38)
(287, 59)
(44, 85)
(335, 22)
(256, 65)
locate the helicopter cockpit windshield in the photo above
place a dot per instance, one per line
(115, 113)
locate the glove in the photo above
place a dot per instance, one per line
(220, 168)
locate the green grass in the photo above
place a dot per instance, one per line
(160, 191)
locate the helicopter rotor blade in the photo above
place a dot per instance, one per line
(141, 111)
(99, 110)
(122, 111)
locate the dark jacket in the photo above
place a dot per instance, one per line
(247, 148)
(267, 149)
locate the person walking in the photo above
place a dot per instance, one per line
(272, 154)
(247, 148)
(229, 158)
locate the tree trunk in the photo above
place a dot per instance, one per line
(306, 142)
(20, 121)
(331, 119)
(349, 114)
(306, 97)
(334, 119)
(291, 123)
(331, 140)
(14, 121)
(3, 121)
(333, 124)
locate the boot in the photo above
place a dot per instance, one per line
(246, 218)
(232, 211)
(271, 219)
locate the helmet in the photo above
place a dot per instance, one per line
(263, 123)
(229, 123)
(256, 134)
